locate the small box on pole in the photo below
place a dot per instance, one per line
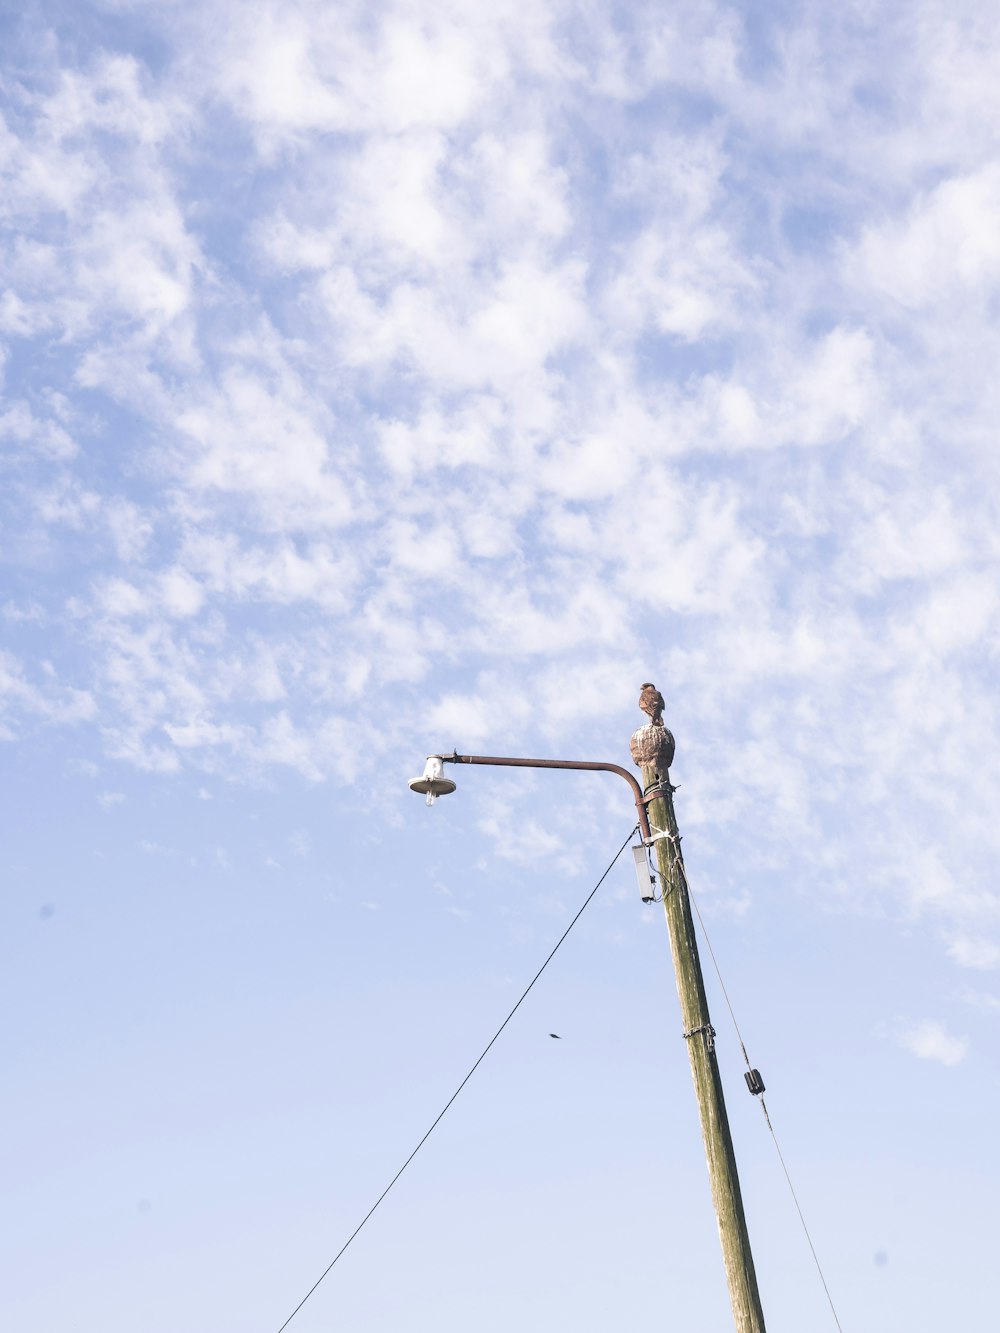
(647, 880)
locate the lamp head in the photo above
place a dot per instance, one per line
(433, 783)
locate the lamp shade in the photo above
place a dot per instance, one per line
(432, 783)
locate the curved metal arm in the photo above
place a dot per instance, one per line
(640, 800)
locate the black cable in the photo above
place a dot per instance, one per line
(465, 1080)
(763, 1104)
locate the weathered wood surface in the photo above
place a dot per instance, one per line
(722, 1172)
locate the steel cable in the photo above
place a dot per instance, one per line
(444, 1109)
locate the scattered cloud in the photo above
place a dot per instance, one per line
(976, 952)
(931, 1040)
(155, 848)
(524, 351)
(985, 1000)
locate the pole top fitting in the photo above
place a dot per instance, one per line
(652, 746)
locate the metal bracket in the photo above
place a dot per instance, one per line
(659, 834)
(709, 1032)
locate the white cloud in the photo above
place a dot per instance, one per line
(131, 528)
(974, 952)
(155, 848)
(264, 442)
(32, 612)
(116, 597)
(953, 617)
(19, 425)
(302, 69)
(984, 1000)
(946, 248)
(519, 839)
(22, 698)
(201, 732)
(182, 595)
(931, 1040)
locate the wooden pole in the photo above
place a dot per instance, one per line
(700, 1041)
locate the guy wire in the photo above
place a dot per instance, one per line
(763, 1104)
(441, 1113)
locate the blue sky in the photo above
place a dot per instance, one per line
(382, 379)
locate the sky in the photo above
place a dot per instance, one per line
(391, 378)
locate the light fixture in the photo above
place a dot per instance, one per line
(433, 783)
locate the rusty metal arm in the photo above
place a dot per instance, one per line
(641, 801)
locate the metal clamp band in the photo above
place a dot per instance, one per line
(709, 1032)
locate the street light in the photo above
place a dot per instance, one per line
(652, 748)
(432, 783)
(435, 784)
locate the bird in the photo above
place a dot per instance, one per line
(651, 702)
(556, 1035)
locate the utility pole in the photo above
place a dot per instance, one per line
(652, 751)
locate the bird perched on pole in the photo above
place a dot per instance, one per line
(651, 702)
